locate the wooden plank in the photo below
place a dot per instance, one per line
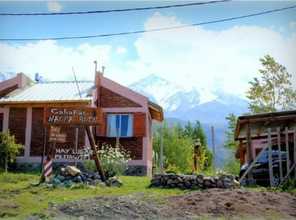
(280, 153)
(249, 143)
(294, 152)
(270, 168)
(72, 116)
(261, 135)
(287, 148)
(252, 164)
(249, 150)
(288, 174)
(95, 155)
(47, 104)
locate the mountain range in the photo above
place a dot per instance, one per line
(190, 104)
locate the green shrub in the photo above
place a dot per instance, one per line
(114, 160)
(8, 149)
(232, 166)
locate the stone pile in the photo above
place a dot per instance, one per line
(194, 181)
(70, 175)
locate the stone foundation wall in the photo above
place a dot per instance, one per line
(193, 181)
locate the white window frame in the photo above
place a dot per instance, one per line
(131, 125)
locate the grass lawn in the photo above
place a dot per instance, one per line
(19, 198)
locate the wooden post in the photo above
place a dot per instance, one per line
(95, 156)
(270, 167)
(287, 148)
(249, 150)
(161, 148)
(295, 152)
(42, 178)
(76, 144)
(280, 153)
(44, 148)
(213, 145)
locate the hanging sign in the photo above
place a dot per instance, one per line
(56, 136)
(72, 116)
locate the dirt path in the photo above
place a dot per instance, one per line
(230, 204)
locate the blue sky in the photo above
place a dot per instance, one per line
(129, 58)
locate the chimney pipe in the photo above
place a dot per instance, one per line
(96, 66)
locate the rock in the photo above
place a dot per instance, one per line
(113, 181)
(77, 179)
(72, 170)
(193, 181)
(55, 181)
(60, 177)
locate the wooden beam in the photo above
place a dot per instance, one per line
(270, 167)
(46, 104)
(95, 155)
(249, 150)
(263, 135)
(291, 117)
(249, 143)
(252, 164)
(280, 153)
(294, 151)
(287, 148)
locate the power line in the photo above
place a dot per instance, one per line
(114, 10)
(154, 29)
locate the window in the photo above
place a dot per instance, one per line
(119, 125)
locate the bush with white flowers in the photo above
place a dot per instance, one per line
(114, 160)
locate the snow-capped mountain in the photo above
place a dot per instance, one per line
(190, 104)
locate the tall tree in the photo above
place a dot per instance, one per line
(230, 142)
(273, 91)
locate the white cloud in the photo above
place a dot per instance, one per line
(53, 61)
(292, 24)
(209, 59)
(121, 50)
(193, 57)
(54, 6)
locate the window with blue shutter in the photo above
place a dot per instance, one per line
(120, 125)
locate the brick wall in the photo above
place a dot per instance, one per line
(17, 125)
(134, 145)
(37, 138)
(111, 99)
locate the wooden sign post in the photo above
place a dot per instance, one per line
(82, 116)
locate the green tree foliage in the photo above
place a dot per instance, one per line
(232, 165)
(273, 91)
(8, 149)
(230, 142)
(178, 147)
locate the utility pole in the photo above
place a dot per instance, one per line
(213, 145)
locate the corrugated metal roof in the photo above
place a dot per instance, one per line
(51, 91)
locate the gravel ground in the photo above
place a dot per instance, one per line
(209, 204)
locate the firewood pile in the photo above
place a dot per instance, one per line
(194, 181)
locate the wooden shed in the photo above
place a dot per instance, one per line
(275, 131)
